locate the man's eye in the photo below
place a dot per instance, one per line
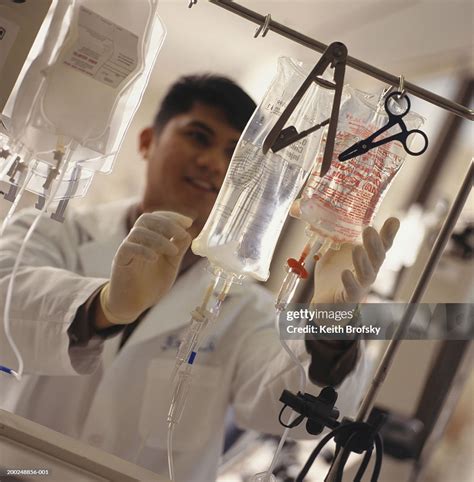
(199, 137)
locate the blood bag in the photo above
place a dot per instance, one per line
(243, 228)
(341, 204)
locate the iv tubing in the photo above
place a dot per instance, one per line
(207, 296)
(11, 283)
(302, 372)
(187, 379)
(200, 316)
(170, 451)
(321, 249)
(302, 388)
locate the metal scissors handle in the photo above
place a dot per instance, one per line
(369, 143)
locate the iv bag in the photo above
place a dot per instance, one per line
(341, 204)
(243, 228)
(82, 88)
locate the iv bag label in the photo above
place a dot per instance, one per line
(103, 50)
(8, 33)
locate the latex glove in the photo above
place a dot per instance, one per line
(145, 265)
(334, 283)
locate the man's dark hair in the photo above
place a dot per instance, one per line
(212, 90)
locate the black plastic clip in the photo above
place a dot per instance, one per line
(319, 411)
(279, 137)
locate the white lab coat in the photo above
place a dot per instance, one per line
(116, 401)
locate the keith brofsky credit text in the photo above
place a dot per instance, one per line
(334, 329)
(325, 322)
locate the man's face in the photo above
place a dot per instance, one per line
(187, 162)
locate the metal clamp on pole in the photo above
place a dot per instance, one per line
(319, 411)
(280, 137)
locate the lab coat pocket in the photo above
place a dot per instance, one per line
(203, 410)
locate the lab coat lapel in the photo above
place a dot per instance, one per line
(106, 229)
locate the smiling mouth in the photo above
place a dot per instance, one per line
(201, 184)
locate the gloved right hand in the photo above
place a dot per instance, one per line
(145, 265)
(333, 279)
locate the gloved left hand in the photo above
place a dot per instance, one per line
(335, 283)
(332, 360)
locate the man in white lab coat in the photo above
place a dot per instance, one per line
(101, 301)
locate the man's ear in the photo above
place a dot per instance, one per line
(145, 140)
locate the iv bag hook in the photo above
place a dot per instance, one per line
(391, 88)
(264, 27)
(401, 85)
(279, 137)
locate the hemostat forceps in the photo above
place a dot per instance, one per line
(369, 143)
(278, 138)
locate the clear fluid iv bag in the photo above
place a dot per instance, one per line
(87, 73)
(341, 204)
(243, 228)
